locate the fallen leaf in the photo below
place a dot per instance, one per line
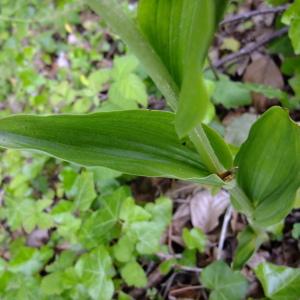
(263, 71)
(206, 209)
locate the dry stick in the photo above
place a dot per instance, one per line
(251, 48)
(248, 15)
(224, 232)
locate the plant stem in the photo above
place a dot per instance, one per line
(224, 232)
(239, 199)
(204, 148)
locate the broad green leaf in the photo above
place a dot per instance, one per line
(194, 239)
(134, 275)
(224, 283)
(95, 271)
(279, 282)
(135, 142)
(248, 242)
(268, 166)
(180, 32)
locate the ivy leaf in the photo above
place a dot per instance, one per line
(27, 213)
(230, 94)
(95, 271)
(279, 282)
(84, 191)
(270, 175)
(99, 226)
(194, 239)
(134, 275)
(124, 248)
(147, 234)
(20, 287)
(28, 260)
(224, 283)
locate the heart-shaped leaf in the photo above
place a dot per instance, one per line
(279, 282)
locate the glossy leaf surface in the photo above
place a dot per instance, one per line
(134, 142)
(269, 166)
(180, 31)
(279, 282)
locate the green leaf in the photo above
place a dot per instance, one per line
(112, 12)
(292, 17)
(27, 213)
(95, 271)
(181, 32)
(268, 166)
(296, 231)
(194, 239)
(248, 242)
(52, 284)
(231, 94)
(134, 275)
(28, 260)
(224, 283)
(134, 142)
(279, 282)
(84, 191)
(124, 248)
(99, 226)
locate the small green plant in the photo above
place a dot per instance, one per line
(171, 40)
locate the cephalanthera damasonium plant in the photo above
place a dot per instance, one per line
(171, 39)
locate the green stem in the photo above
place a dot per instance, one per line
(204, 148)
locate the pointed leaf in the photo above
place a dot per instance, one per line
(224, 283)
(269, 166)
(180, 32)
(134, 142)
(248, 242)
(279, 282)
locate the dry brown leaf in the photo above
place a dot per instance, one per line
(180, 218)
(263, 71)
(206, 209)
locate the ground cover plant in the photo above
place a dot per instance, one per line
(73, 229)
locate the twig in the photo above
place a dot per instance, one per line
(187, 288)
(251, 48)
(224, 232)
(250, 14)
(188, 269)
